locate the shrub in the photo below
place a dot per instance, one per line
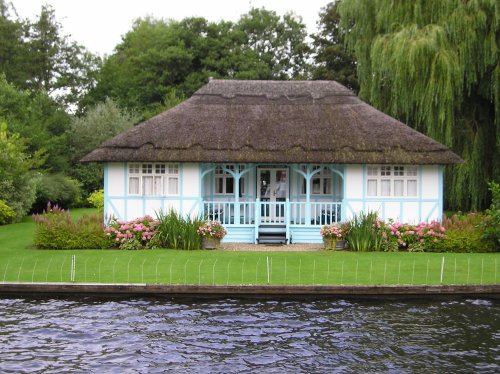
(55, 229)
(491, 222)
(136, 234)
(7, 214)
(177, 232)
(96, 199)
(464, 233)
(420, 237)
(58, 189)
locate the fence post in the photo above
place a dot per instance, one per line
(442, 271)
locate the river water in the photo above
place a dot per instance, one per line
(157, 335)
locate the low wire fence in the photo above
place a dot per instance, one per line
(257, 269)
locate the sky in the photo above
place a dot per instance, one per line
(99, 24)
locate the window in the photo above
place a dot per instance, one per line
(321, 182)
(224, 181)
(151, 179)
(391, 180)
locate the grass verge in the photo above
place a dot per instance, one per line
(20, 263)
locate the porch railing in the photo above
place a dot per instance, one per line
(266, 212)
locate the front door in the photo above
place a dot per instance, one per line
(272, 192)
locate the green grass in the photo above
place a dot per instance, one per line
(19, 262)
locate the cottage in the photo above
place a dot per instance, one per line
(274, 161)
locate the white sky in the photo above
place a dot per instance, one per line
(99, 24)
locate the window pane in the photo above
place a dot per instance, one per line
(242, 186)
(147, 168)
(372, 187)
(229, 185)
(133, 168)
(399, 171)
(385, 171)
(147, 186)
(316, 189)
(173, 186)
(173, 169)
(157, 186)
(385, 187)
(303, 188)
(133, 185)
(411, 171)
(160, 168)
(412, 187)
(327, 186)
(399, 187)
(372, 170)
(219, 185)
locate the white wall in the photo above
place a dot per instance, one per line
(126, 207)
(426, 206)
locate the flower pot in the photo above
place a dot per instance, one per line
(210, 243)
(333, 243)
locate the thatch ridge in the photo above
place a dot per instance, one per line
(270, 122)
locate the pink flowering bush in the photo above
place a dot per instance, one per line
(212, 229)
(334, 231)
(404, 236)
(136, 234)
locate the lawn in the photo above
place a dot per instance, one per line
(19, 262)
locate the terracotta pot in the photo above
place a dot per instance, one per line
(210, 243)
(334, 243)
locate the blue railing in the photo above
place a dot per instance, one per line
(271, 213)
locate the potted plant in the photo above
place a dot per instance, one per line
(334, 236)
(211, 233)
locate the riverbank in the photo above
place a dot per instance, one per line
(492, 290)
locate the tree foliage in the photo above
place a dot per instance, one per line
(333, 61)
(435, 65)
(37, 56)
(101, 122)
(161, 61)
(17, 177)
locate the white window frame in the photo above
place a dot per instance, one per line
(387, 180)
(156, 175)
(223, 175)
(322, 178)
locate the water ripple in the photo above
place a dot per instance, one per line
(228, 336)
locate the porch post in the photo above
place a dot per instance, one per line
(308, 177)
(237, 198)
(257, 219)
(287, 220)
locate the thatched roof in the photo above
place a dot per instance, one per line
(273, 122)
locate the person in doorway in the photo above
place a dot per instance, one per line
(280, 191)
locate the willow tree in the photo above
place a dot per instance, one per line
(435, 65)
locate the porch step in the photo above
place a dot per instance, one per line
(272, 234)
(272, 239)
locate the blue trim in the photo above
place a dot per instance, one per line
(420, 179)
(441, 191)
(106, 189)
(364, 188)
(181, 189)
(125, 190)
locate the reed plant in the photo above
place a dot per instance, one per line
(177, 232)
(365, 232)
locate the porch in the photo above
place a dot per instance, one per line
(273, 222)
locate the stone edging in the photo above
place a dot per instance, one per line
(492, 290)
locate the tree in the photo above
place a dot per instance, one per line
(332, 61)
(17, 172)
(100, 123)
(56, 64)
(38, 119)
(159, 59)
(273, 46)
(435, 65)
(36, 56)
